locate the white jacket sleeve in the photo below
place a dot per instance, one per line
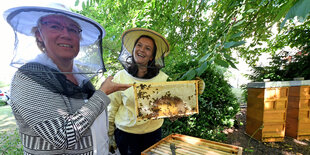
(116, 102)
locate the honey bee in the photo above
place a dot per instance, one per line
(142, 86)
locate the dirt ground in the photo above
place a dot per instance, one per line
(290, 146)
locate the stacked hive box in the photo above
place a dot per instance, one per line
(266, 110)
(298, 111)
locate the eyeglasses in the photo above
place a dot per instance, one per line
(56, 27)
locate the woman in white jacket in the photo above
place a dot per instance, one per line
(142, 57)
(57, 109)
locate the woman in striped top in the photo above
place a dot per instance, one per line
(57, 109)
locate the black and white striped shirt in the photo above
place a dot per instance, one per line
(51, 112)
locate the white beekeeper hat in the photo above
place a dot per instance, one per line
(23, 19)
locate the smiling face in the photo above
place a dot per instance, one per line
(59, 36)
(143, 51)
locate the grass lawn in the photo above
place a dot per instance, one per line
(7, 120)
(9, 138)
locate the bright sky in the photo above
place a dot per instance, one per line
(7, 34)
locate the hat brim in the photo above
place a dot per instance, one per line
(130, 36)
(23, 19)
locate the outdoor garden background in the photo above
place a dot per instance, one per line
(208, 39)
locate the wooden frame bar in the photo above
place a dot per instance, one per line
(188, 145)
(166, 99)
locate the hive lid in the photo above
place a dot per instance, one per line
(274, 84)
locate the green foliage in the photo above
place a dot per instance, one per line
(239, 93)
(301, 9)
(284, 66)
(256, 19)
(2, 103)
(217, 107)
(244, 92)
(272, 72)
(283, 70)
(10, 143)
(207, 31)
(202, 35)
(192, 31)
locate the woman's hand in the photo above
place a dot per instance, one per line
(108, 86)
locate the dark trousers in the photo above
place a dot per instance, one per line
(134, 144)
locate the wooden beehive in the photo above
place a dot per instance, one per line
(298, 113)
(188, 145)
(266, 113)
(166, 99)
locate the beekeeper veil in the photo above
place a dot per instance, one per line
(129, 39)
(23, 19)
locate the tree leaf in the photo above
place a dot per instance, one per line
(228, 57)
(83, 6)
(238, 43)
(76, 2)
(221, 62)
(233, 44)
(229, 44)
(212, 60)
(284, 9)
(231, 64)
(251, 10)
(205, 57)
(202, 68)
(189, 75)
(236, 35)
(301, 9)
(239, 23)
